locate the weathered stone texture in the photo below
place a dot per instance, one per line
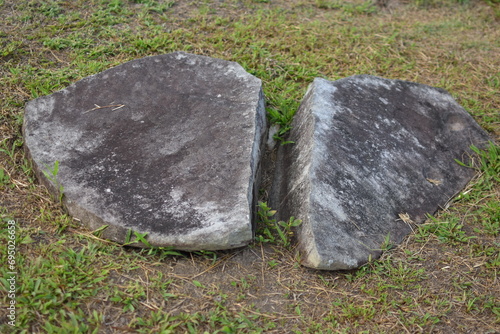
(366, 150)
(166, 145)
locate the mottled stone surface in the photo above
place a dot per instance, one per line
(366, 150)
(166, 145)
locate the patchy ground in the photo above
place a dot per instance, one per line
(442, 279)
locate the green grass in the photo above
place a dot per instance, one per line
(272, 231)
(443, 278)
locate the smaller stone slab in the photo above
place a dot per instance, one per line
(167, 146)
(367, 150)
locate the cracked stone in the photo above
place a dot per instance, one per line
(370, 156)
(166, 145)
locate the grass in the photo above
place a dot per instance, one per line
(272, 231)
(442, 279)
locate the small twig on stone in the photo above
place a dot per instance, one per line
(119, 107)
(114, 106)
(435, 182)
(406, 218)
(354, 223)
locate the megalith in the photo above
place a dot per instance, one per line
(369, 156)
(166, 146)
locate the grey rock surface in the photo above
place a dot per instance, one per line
(366, 150)
(166, 145)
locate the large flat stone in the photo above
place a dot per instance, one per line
(166, 145)
(366, 150)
